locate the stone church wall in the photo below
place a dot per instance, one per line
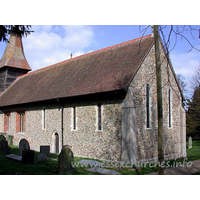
(147, 141)
(86, 140)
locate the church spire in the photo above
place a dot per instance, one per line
(14, 55)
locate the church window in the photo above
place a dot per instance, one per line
(147, 106)
(7, 121)
(20, 121)
(44, 119)
(170, 109)
(21, 115)
(74, 118)
(99, 117)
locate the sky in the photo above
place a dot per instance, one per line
(49, 44)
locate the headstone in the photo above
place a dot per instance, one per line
(14, 157)
(23, 145)
(10, 139)
(27, 157)
(42, 158)
(68, 146)
(5, 149)
(45, 149)
(190, 142)
(65, 160)
(2, 137)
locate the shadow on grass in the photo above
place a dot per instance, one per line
(8, 167)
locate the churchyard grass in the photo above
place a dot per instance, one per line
(192, 154)
(8, 167)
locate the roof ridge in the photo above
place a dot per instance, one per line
(87, 54)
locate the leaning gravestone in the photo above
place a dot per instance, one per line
(65, 161)
(42, 158)
(190, 143)
(23, 145)
(45, 150)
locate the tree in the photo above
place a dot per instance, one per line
(19, 30)
(159, 100)
(181, 80)
(178, 31)
(193, 113)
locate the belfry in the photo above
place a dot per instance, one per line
(13, 62)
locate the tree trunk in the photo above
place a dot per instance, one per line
(159, 102)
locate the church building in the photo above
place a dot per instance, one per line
(103, 104)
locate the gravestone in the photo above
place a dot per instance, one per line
(45, 149)
(5, 149)
(68, 146)
(28, 157)
(2, 137)
(23, 145)
(14, 157)
(42, 158)
(65, 160)
(190, 143)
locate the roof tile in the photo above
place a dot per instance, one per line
(104, 70)
(14, 54)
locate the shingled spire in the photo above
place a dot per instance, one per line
(13, 62)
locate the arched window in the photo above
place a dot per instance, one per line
(57, 143)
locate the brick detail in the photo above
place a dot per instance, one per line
(5, 122)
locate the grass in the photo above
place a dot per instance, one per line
(8, 167)
(194, 153)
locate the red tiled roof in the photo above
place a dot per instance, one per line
(14, 54)
(104, 70)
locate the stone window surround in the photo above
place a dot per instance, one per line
(74, 118)
(97, 117)
(19, 123)
(43, 119)
(150, 106)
